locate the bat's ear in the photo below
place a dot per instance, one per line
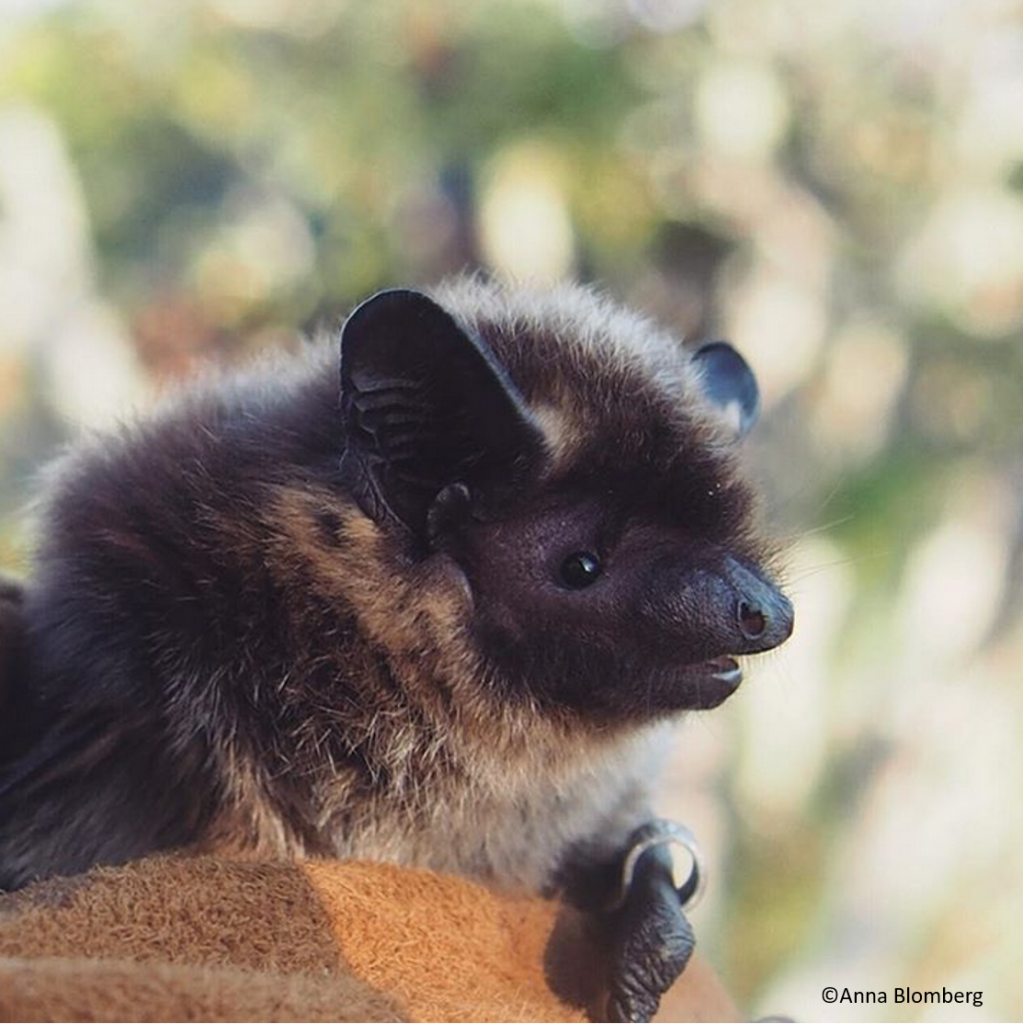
(425, 405)
(729, 383)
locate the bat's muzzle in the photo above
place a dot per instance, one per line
(730, 609)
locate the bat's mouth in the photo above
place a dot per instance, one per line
(710, 683)
(726, 670)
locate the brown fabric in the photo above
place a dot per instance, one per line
(181, 938)
(118, 990)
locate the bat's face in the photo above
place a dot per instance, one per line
(601, 606)
(586, 493)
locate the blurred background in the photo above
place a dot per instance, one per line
(836, 185)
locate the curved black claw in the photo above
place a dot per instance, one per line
(653, 940)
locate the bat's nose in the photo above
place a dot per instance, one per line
(763, 614)
(728, 609)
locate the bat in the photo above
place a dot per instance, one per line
(431, 592)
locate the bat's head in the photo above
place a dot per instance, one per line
(576, 468)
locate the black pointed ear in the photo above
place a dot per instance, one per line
(425, 405)
(730, 385)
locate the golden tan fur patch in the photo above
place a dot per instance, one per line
(456, 785)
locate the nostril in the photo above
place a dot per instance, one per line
(752, 621)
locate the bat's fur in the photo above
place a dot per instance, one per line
(225, 649)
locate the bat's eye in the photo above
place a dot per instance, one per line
(580, 570)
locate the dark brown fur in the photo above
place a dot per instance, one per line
(12, 621)
(224, 648)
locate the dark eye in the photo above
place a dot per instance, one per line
(580, 570)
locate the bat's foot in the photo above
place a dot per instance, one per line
(653, 940)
